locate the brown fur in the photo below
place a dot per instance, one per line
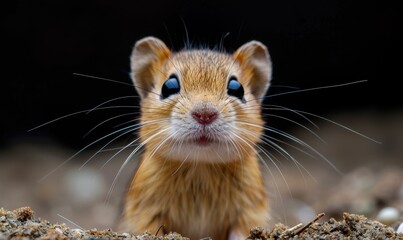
(198, 197)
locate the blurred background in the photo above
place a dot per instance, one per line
(312, 44)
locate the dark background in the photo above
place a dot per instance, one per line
(312, 44)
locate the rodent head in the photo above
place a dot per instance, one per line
(200, 105)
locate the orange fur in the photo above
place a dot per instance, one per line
(198, 191)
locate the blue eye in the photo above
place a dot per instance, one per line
(235, 89)
(170, 87)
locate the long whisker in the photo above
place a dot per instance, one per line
(340, 125)
(265, 164)
(76, 113)
(311, 89)
(115, 148)
(124, 123)
(129, 157)
(107, 144)
(317, 88)
(107, 120)
(293, 111)
(251, 147)
(81, 150)
(132, 129)
(128, 145)
(297, 123)
(281, 151)
(295, 139)
(323, 118)
(282, 133)
(110, 100)
(101, 78)
(159, 145)
(297, 163)
(110, 80)
(183, 162)
(290, 145)
(283, 86)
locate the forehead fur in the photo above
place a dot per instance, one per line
(202, 70)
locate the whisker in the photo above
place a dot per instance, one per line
(271, 159)
(76, 113)
(297, 123)
(286, 155)
(104, 79)
(128, 159)
(295, 139)
(184, 160)
(111, 100)
(317, 88)
(340, 125)
(81, 150)
(131, 143)
(107, 120)
(321, 117)
(291, 110)
(290, 145)
(124, 123)
(115, 148)
(309, 89)
(159, 145)
(267, 167)
(110, 80)
(282, 133)
(284, 86)
(68, 220)
(107, 144)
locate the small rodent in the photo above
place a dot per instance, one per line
(201, 119)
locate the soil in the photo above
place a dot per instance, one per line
(21, 224)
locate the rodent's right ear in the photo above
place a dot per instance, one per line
(146, 60)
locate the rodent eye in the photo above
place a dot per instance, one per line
(170, 87)
(235, 89)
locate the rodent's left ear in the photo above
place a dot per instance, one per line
(255, 63)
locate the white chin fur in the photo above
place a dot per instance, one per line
(214, 152)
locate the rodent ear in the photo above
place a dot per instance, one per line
(146, 60)
(255, 63)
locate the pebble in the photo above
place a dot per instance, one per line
(59, 231)
(125, 235)
(77, 233)
(400, 228)
(388, 215)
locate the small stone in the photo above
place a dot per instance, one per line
(27, 231)
(388, 215)
(77, 233)
(59, 231)
(125, 235)
(399, 228)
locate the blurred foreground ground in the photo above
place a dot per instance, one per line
(371, 177)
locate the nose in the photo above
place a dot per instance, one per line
(205, 116)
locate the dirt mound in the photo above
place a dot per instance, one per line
(21, 224)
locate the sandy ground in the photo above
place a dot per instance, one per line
(370, 180)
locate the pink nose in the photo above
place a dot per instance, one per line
(204, 117)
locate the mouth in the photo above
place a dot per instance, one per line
(204, 137)
(203, 140)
